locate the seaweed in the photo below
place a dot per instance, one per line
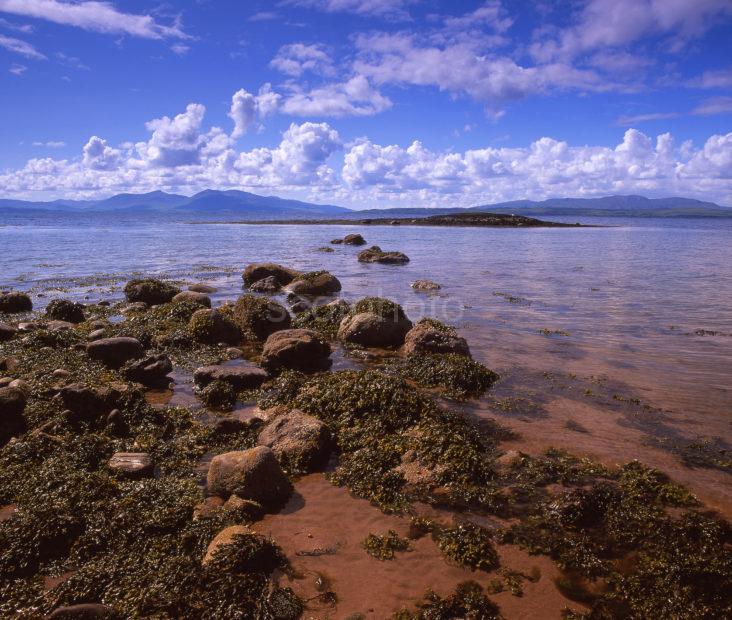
(469, 545)
(323, 319)
(468, 602)
(218, 395)
(384, 547)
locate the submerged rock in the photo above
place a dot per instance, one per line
(6, 332)
(150, 291)
(12, 406)
(429, 336)
(65, 310)
(15, 301)
(301, 349)
(376, 255)
(213, 326)
(315, 283)
(132, 464)
(252, 474)
(193, 297)
(259, 271)
(425, 285)
(240, 378)
(260, 317)
(300, 442)
(114, 352)
(151, 371)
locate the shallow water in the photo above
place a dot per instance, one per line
(622, 305)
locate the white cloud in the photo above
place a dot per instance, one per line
(17, 69)
(626, 121)
(297, 58)
(355, 97)
(263, 16)
(27, 28)
(94, 16)
(377, 8)
(51, 144)
(175, 142)
(180, 49)
(98, 155)
(714, 105)
(246, 108)
(20, 47)
(721, 78)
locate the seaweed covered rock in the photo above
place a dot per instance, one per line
(150, 291)
(354, 239)
(267, 285)
(375, 322)
(84, 611)
(315, 283)
(252, 474)
(259, 317)
(430, 336)
(151, 371)
(301, 442)
(12, 405)
(87, 404)
(425, 285)
(376, 255)
(299, 349)
(213, 326)
(239, 377)
(193, 297)
(227, 536)
(65, 310)
(323, 319)
(115, 352)
(6, 332)
(14, 301)
(259, 271)
(218, 395)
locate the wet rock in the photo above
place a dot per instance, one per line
(22, 385)
(193, 297)
(138, 306)
(12, 406)
(218, 395)
(233, 353)
(336, 241)
(59, 326)
(97, 334)
(114, 352)
(259, 271)
(240, 378)
(5, 381)
(373, 330)
(213, 326)
(98, 324)
(8, 364)
(354, 239)
(132, 464)
(60, 373)
(300, 349)
(229, 426)
(202, 288)
(151, 371)
(85, 611)
(65, 310)
(376, 255)
(300, 306)
(252, 474)
(270, 284)
(227, 536)
(86, 404)
(116, 424)
(260, 317)
(6, 332)
(29, 326)
(425, 285)
(315, 283)
(14, 301)
(208, 507)
(150, 291)
(237, 503)
(300, 441)
(507, 459)
(433, 337)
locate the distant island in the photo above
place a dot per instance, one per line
(218, 205)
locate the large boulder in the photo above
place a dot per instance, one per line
(259, 271)
(193, 297)
(150, 291)
(12, 405)
(65, 310)
(151, 371)
(315, 283)
(376, 255)
(115, 352)
(6, 332)
(213, 326)
(429, 336)
(300, 441)
(240, 377)
(375, 322)
(252, 474)
(14, 301)
(300, 349)
(259, 317)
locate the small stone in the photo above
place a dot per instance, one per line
(233, 352)
(208, 507)
(151, 371)
(65, 310)
(150, 291)
(299, 349)
(202, 288)
(60, 373)
(116, 423)
(376, 255)
(59, 326)
(97, 334)
(138, 306)
(259, 271)
(193, 297)
(132, 464)
(98, 324)
(298, 440)
(12, 406)
(270, 284)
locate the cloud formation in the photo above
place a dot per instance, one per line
(20, 47)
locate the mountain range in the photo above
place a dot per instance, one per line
(214, 204)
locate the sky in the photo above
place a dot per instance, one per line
(367, 103)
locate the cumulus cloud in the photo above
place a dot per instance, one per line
(246, 108)
(94, 16)
(297, 58)
(20, 47)
(354, 97)
(98, 155)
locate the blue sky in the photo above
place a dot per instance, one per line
(367, 102)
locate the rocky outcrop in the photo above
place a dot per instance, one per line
(252, 474)
(132, 464)
(300, 349)
(14, 301)
(213, 326)
(376, 255)
(150, 291)
(429, 336)
(259, 317)
(12, 406)
(259, 271)
(65, 310)
(115, 352)
(315, 283)
(425, 285)
(193, 297)
(240, 377)
(151, 371)
(301, 442)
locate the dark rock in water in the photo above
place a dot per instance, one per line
(114, 352)
(202, 288)
(150, 291)
(336, 241)
(238, 377)
(6, 332)
(259, 271)
(193, 297)
(132, 464)
(425, 285)
(376, 255)
(300, 441)
(432, 337)
(213, 326)
(65, 310)
(315, 283)
(151, 371)
(85, 611)
(354, 239)
(12, 405)
(252, 474)
(259, 317)
(227, 536)
(300, 349)
(88, 404)
(15, 302)
(270, 284)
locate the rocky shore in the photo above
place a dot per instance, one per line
(114, 505)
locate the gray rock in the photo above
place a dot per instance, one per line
(321, 283)
(300, 441)
(202, 288)
(97, 334)
(425, 337)
(150, 291)
(240, 377)
(300, 349)
(376, 255)
(425, 285)
(114, 352)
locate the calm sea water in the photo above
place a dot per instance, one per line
(628, 298)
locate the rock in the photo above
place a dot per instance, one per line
(260, 317)
(193, 297)
(97, 334)
(300, 441)
(116, 423)
(233, 353)
(8, 364)
(227, 536)
(376, 255)
(98, 324)
(60, 373)
(432, 337)
(229, 426)
(12, 405)
(425, 285)
(14, 301)
(369, 329)
(237, 503)
(86, 404)
(138, 306)
(208, 507)
(6, 332)
(151, 371)
(336, 241)
(258, 271)
(132, 464)
(202, 288)
(5, 381)
(354, 239)
(315, 283)
(59, 326)
(242, 377)
(270, 284)
(300, 306)
(29, 326)
(150, 291)
(252, 474)
(114, 352)
(85, 611)
(213, 326)
(300, 349)
(65, 310)
(507, 459)
(20, 384)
